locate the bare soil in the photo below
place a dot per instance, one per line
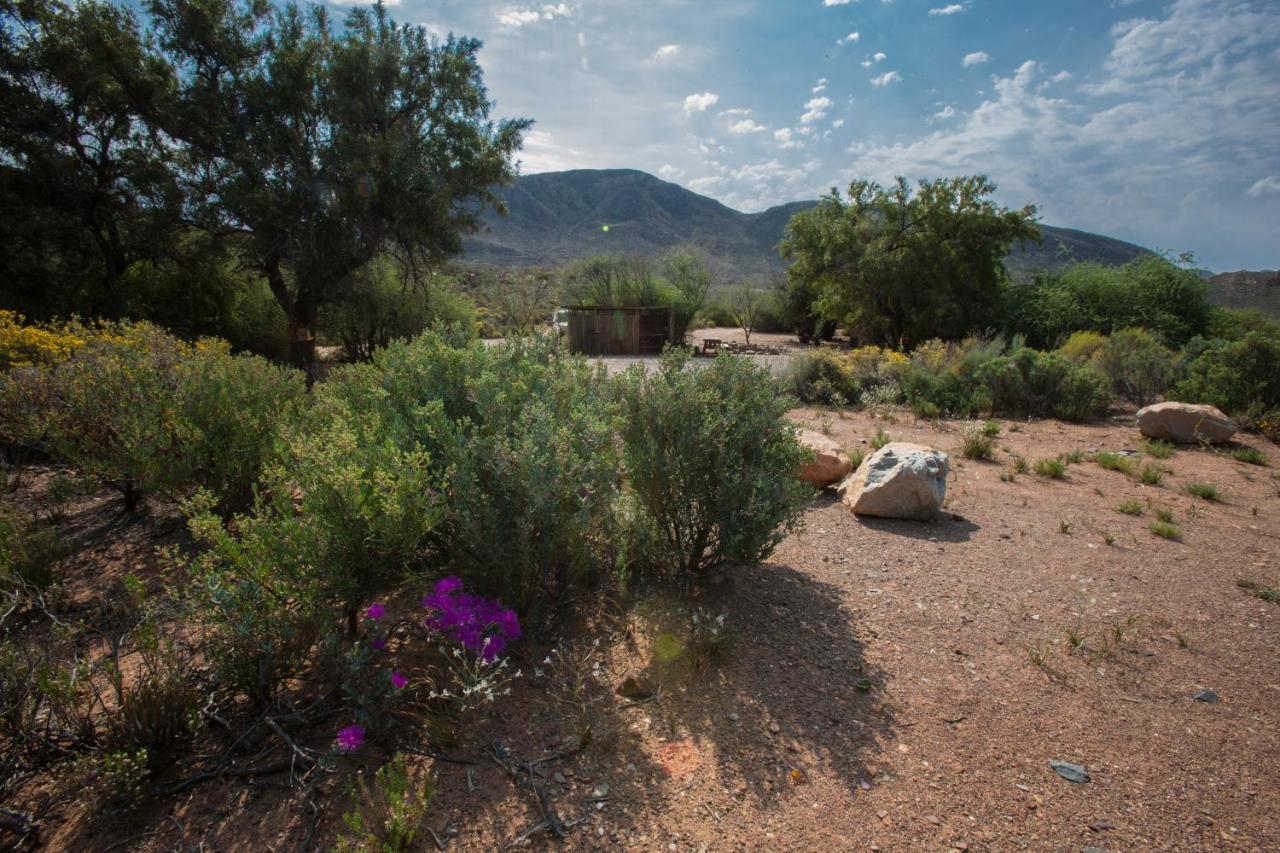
(889, 686)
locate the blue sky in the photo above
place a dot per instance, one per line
(1149, 120)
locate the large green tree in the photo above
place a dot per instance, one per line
(899, 265)
(325, 147)
(85, 190)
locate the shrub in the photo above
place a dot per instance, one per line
(1053, 469)
(1158, 449)
(824, 377)
(1116, 462)
(991, 429)
(880, 439)
(1240, 377)
(27, 551)
(22, 345)
(1082, 346)
(1031, 383)
(1166, 530)
(1249, 455)
(1130, 508)
(387, 816)
(976, 443)
(1139, 366)
(711, 463)
(1151, 475)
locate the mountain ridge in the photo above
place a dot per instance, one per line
(558, 217)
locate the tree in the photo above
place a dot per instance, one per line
(325, 149)
(897, 266)
(85, 189)
(690, 276)
(747, 304)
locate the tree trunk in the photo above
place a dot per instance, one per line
(301, 311)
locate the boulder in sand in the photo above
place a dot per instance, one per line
(900, 480)
(1185, 423)
(829, 465)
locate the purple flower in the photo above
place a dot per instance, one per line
(350, 738)
(398, 681)
(482, 626)
(378, 643)
(376, 612)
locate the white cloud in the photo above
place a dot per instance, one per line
(513, 17)
(701, 185)
(949, 9)
(1060, 77)
(886, 78)
(785, 139)
(746, 125)
(669, 172)
(667, 51)
(699, 103)
(976, 58)
(945, 113)
(821, 84)
(815, 108)
(734, 111)
(1270, 185)
(873, 59)
(838, 123)
(836, 2)
(852, 37)
(367, 3)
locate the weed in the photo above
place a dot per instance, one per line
(1116, 462)
(991, 429)
(856, 456)
(1064, 526)
(387, 815)
(1164, 516)
(1039, 654)
(1157, 449)
(1204, 491)
(1266, 593)
(1075, 457)
(1108, 537)
(1020, 465)
(1151, 475)
(1130, 508)
(1250, 456)
(1184, 642)
(977, 444)
(1166, 530)
(1076, 638)
(1053, 469)
(880, 439)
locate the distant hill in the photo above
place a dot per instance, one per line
(556, 217)
(1245, 289)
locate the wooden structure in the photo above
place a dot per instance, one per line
(610, 330)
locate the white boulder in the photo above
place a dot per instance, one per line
(900, 480)
(1185, 423)
(829, 464)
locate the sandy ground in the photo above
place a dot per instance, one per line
(890, 686)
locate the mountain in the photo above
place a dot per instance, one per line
(556, 217)
(1245, 289)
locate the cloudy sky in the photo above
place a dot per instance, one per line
(1156, 121)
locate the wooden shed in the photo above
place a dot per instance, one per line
(609, 330)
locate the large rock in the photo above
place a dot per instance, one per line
(829, 465)
(899, 480)
(1185, 423)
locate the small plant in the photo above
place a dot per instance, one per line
(1075, 457)
(1166, 530)
(1108, 537)
(385, 817)
(1039, 654)
(1180, 636)
(1164, 516)
(1116, 462)
(115, 779)
(976, 443)
(856, 456)
(571, 670)
(1076, 638)
(880, 439)
(1130, 508)
(1020, 465)
(991, 429)
(1249, 456)
(1064, 526)
(1151, 475)
(1052, 469)
(1266, 593)
(1157, 449)
(1204, 491)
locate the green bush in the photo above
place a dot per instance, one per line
(711, 463)
(1082, 346)
(1139, 366)
(1239, 377)
(1053, 469)
(27, 551)
(976, 443)
(1116, 462)
(1031, 383)
(823, 376)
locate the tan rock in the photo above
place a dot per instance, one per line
(900, 480)
(829, 464)
(1185, 423)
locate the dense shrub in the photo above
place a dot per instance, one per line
(23, 345)
(1240, 377)
(823, 376)
(1028, 382)
(1139, 366)
(145, 413)
(710, 463)
(1082, 346)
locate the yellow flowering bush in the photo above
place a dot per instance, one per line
(22, 345)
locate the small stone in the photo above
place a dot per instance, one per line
(559, 777)
(1071, 772)
(774, 728)
(733, 717)
(1206, 696)
(636, 687)
(601, 790)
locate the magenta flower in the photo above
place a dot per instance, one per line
(376, 612)
(350, 738)
(482, 626)
(378, 643)
(398, 681)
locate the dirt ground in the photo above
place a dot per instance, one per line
(889, 685)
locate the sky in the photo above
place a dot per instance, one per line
(1154, 121)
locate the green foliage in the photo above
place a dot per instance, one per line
(1027, 382)
(1233, 324)
(1116, 462)
(1139, 366)
(991, 429)
(144, 413)
(1166, 530)
(387, 816)
(1151, 475)
(823, 376)
(689, 277)
(28, 551)
(1266, 593)
(1250, 456)
(711, 464)
(901, 266)
(1053, 469)
(1164, 515)
(1082, 346)
(1158, 449)
(880, 439)
(1130, 508)
(976, 443)
(116, 779)
(1204, 491)
(1150, 292)
(1239, 377)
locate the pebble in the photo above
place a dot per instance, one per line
(733, 717)
(774, 728)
